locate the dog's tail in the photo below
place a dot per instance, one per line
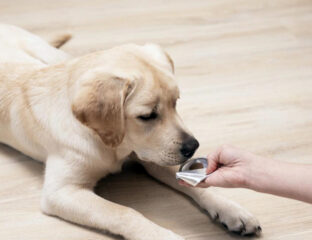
(60, 40)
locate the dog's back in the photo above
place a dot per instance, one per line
(21, 54)
(20, 46)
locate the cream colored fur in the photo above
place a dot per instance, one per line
(80, 117)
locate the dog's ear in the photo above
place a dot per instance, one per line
(159, 55)
(99, 104)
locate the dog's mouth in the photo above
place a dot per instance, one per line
(174, 161)
(171, 158)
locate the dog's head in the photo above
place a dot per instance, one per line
(132, 101)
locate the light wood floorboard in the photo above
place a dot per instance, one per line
(245, 72)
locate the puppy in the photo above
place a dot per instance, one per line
(83, 116)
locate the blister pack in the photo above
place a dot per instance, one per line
(193, 171)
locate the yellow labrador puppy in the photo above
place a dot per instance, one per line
(82, 117)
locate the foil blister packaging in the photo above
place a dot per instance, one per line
(193, 171)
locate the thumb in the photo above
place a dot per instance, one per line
(212, 166)
(212, 162)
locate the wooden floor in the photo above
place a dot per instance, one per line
(245, 74)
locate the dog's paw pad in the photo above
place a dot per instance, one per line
(237, 220)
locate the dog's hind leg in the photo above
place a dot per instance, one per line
(227, 212)
(66, 197)
(60, 40)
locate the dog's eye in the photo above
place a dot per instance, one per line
(147, 117)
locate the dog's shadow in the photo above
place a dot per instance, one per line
(134, 188)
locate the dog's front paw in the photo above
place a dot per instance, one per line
(233, 217)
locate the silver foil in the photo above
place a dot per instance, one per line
(190, 175)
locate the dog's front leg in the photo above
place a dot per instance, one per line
(227, 212)
(66, 197)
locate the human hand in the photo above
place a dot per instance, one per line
(230, 167)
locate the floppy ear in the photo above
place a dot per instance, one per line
(159, 55)
(99, 105)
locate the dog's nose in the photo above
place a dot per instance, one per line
(189, 146)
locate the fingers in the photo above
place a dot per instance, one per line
(203, 185)
(214, 180)
(219, 170)
(181, 182)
